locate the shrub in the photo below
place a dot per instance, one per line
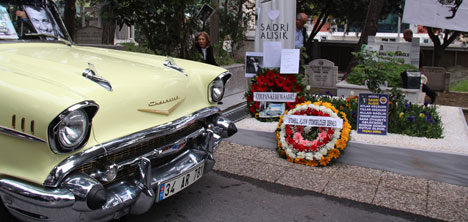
(376, 70)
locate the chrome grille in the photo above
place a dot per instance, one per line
(140, 149)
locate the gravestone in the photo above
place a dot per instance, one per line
(322, 73)
(408, 51)
(89, 35)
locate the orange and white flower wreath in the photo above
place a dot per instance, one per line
(323, 150)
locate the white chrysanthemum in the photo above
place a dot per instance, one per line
(323, 151)
(309, 156)
(318, 156)
(283, 141)
(333, 141)
(290, 153)
(301, 155)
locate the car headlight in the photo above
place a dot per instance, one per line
(217, 87)
(73, 129)
(217, 90)
(70, 130)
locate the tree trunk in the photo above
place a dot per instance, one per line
(69, 17)
(214, 26)
(369, 29)
(372, 22)
(439, 47)
(108, 32)
(309, 44)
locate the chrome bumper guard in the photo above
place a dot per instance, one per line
(70, 201)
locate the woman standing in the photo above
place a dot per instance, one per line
(203, 46)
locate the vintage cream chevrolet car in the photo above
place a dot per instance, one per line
(95, 134)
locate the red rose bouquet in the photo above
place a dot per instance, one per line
(270, 80)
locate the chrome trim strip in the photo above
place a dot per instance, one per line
(225, 76)
(91, 74)
(158, 152)
(59, 197)
(66, 166)
(52, 129)
(170, 63)
(21, 135)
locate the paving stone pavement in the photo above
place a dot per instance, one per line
(420, 196)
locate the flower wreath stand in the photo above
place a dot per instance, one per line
(313, 146)
(270, 80)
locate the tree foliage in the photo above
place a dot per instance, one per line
(234, 15)
(168, 26)
(349, 12)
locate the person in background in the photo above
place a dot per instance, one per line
(301, 31)
(408, 36)
(203, 46)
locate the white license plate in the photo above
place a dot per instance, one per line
(171, 187)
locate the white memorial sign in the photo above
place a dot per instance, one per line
(446, 14)
(313, 121)
(274, 97)
(272, 54)
(276, 21)
(290, 61)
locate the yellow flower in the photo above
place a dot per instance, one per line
(308, 102)
(343, 115)
(325, 161)
(327, 105)
(340, 144)
(345, 132)
(256, 115)
(402, 114)
(290, 159)
(422, 115)
(279, 144)
(341, 107)
(312, 163)
(334, 153)
(345, 138)
(300, 161)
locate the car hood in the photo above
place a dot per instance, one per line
(139, 82)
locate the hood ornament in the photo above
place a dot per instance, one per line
(91, 74)
(163, 112)
(170, 63)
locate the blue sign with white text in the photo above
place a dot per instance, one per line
(373, 114)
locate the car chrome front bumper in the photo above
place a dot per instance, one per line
(70, 200)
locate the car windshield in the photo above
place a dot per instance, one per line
(30, 20)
